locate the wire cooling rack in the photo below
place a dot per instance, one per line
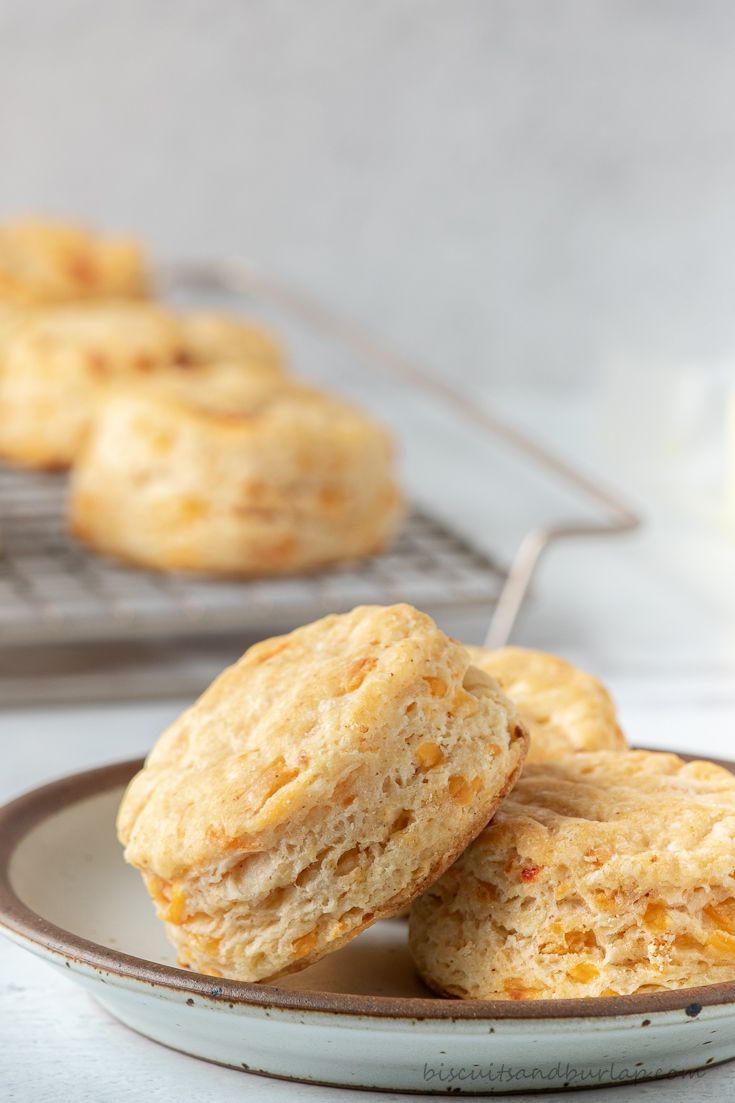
(51, 589)
(56, 598)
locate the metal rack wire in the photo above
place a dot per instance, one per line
(51, 589)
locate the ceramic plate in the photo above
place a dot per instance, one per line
(359, 1018)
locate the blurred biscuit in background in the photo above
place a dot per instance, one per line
(209, 336)
(44, 262)
(246, 475)
(56, 363)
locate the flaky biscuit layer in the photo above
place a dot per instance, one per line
(319, 784)
(602, 874)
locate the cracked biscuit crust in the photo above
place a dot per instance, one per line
(602, 874)
(318, 785)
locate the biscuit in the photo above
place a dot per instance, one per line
(318, 785)
(563, 708)
(56, 364)
(602, 874)
(246, 477)
(52, 262)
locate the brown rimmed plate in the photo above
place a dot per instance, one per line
(359, 1018)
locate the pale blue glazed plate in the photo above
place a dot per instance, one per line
(359, 1018)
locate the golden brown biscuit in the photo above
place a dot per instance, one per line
(602, 874)
(247, 476)
(564, 708)
(56, 364)
(52, 262)
(318, 785)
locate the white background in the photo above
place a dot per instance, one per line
(505, 188)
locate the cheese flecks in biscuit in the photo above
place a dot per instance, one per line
(318, 785)
(249, 476)
(57, 363)
(44, 262)
(564, 708)
(602, 874)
